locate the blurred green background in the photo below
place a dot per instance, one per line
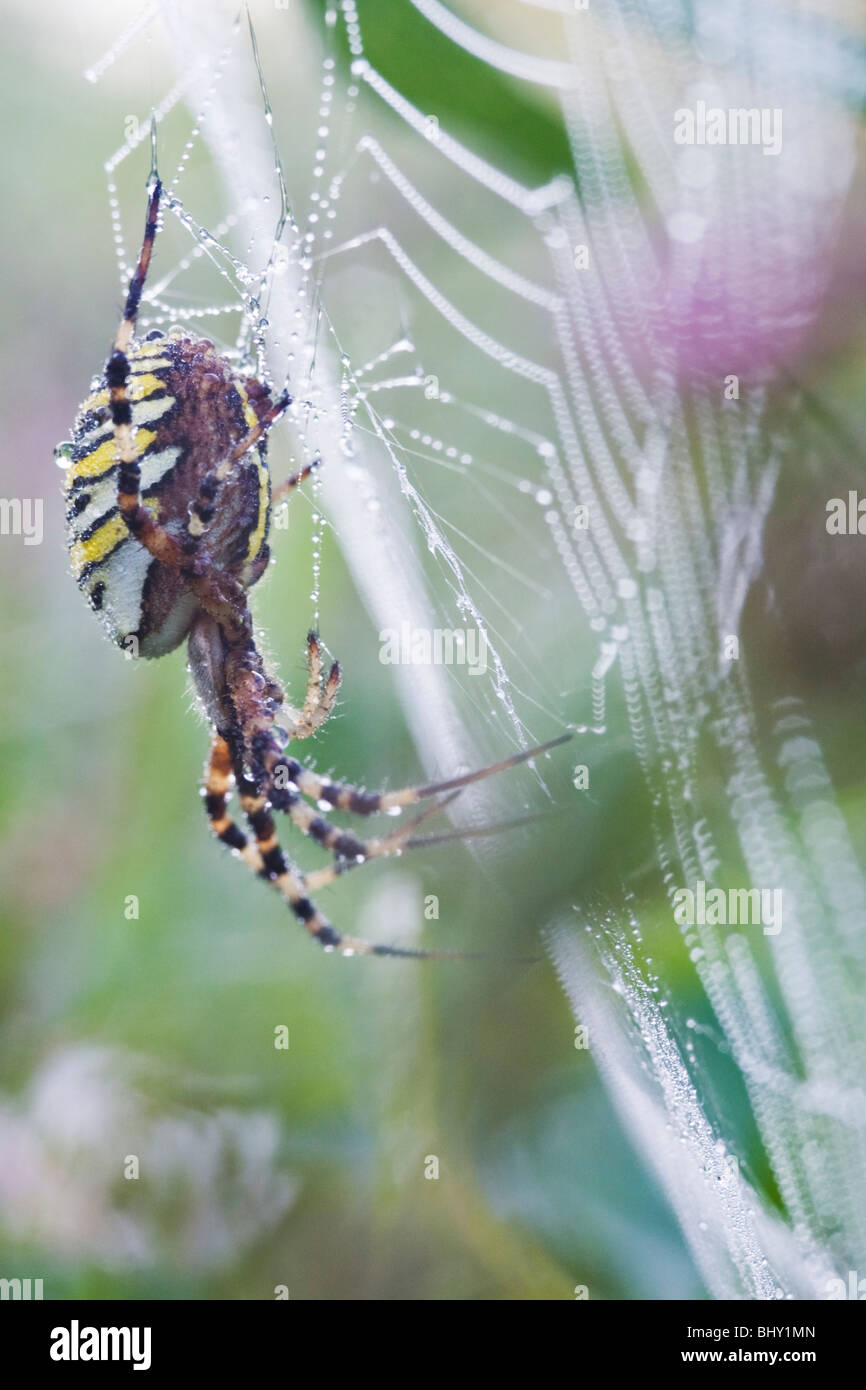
(154, 1037)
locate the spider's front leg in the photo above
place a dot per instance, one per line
(321, 694)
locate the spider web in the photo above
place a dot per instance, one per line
(519, 393)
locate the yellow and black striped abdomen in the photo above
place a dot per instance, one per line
(189, 410)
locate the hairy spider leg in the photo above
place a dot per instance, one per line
(286, 773)
(137, 518)
(142, 525)
(268, 861)
(218, 781)
(321, 693)
(257, 797)
(203, 509)
(342, 843)
(319, 878)
(220, 595)
(282, 489)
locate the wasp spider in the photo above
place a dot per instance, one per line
(168, 503)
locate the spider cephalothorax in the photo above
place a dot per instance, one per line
(168, 503)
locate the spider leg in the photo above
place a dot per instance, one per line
(255, 433)
(138, 519)
(203, 508)
(267, 861)
(289, 485)
(126, 330)
(381, 847)
(220, 595)
(347, 846)
(218, 779)
(285, 773)
(321, 692)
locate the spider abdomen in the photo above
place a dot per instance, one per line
(190, 409)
